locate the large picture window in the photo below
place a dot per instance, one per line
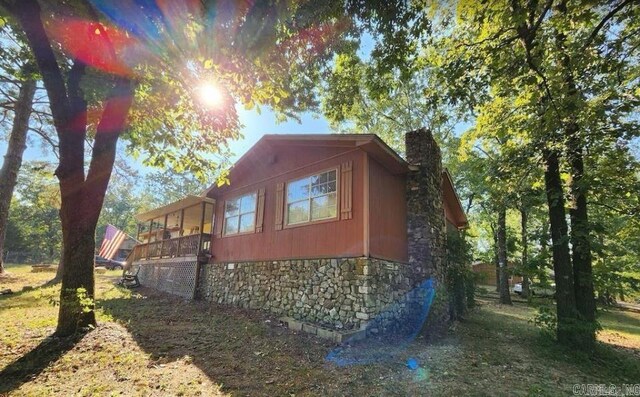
(312, 198)
(240, 214)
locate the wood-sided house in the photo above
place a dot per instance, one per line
(328, 229)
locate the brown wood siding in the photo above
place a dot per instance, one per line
(387, 214)
(269, 161)
(331, 238)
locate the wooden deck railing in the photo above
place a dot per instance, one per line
(173, 247)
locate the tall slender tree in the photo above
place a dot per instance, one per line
(568, 72)
(15, 148)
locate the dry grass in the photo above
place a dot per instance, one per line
(153, 344)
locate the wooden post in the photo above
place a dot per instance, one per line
(149, 237)
(198, 263)
(201, 227)
(164, 233)
(138, 234)
(196, 281)
(180, 233)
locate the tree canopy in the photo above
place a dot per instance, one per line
(552, 90)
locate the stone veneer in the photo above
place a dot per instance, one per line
(426, 233)
(340, 294)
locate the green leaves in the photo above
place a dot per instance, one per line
(34, 230)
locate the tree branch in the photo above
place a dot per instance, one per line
(491, 38)
(45, 137)
(631, 212)
(72, 144)
(534, 28)
(604, 21)
(27, 12)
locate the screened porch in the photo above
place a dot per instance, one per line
(180, 229)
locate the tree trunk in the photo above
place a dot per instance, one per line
(565, 293)
(80, 210)
(505, 296)
(13, 158)
(81, 198)
(580, 239)
(524, 217)
(496, 260)
(78, 284)
(580, 230)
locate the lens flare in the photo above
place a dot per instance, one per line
(390, 333)
(132, 34)
(210, 94)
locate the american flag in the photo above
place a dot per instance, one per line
(113, 237)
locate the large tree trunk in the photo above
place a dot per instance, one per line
(81, 198)
(581, 246)
(565, 293)
(580, 241)
(524, 217)
(580, 230)
(78, 284)
(505, 296)
(79, 213)
(13, 158)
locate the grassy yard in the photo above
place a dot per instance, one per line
(153, 344)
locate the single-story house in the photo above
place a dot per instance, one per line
(328, 229)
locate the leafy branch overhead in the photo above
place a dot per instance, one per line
(132, 70)
(551, 88)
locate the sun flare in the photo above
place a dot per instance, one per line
(210, 94)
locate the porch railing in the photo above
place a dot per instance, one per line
(173, 247)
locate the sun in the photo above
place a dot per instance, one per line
(210, 94)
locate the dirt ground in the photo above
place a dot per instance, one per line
(152, 344)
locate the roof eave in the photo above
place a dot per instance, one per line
(188, 201)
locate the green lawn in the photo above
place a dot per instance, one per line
(153, 344)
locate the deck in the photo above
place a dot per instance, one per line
(190, 245)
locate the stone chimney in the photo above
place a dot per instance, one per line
(425, 213)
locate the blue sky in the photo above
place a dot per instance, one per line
(255, 126)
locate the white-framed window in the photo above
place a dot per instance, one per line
(312, 198)
(240, 215)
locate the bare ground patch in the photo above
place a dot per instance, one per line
(150, 343)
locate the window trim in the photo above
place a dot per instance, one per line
(286, 224)
(224, 218)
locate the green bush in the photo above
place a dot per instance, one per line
(546, 320)
(459, 278)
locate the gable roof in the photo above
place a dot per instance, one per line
(370, 143)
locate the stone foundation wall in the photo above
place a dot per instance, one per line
(337, 293)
